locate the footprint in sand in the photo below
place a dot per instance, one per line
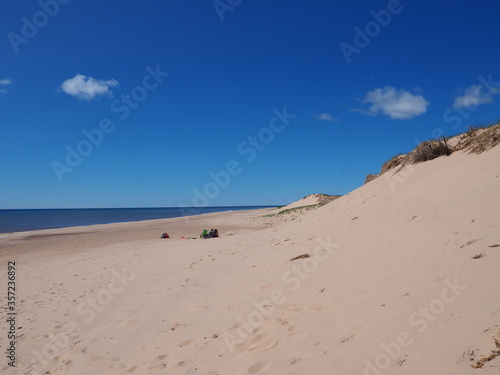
(348, 338)
(262, 342)
(129, 323)
(159, 366)
(285, 320)
(267, 286)
(184, 343)
(162, 357)
(159, 362)
(295, 360)
(259, 367)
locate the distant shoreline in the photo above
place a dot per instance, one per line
(23, 220)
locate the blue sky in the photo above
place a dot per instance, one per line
(230, 102)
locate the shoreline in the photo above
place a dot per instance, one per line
(90, 238)
(188, 209)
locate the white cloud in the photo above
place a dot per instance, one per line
(87, 87)
(397, 104)
(475, 95)
(4, 82)
(326, 117)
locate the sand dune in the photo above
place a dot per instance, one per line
(397, 277)
(306, 201)
(310, 200)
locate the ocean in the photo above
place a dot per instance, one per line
(36, 219)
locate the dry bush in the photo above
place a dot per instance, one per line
(392, 163)
(480, 139)
(325, 198)
(370, 177)
(477, 139)
(428, 151)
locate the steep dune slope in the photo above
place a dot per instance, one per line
(411, 287)
(417, 259)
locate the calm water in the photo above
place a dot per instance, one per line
(23, 220)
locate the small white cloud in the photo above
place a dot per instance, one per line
(4, 82)
(397, 104)
(475, 95)
(87, 87)
(326, 117)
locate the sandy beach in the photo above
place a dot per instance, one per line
(347, 152)
(397, 277)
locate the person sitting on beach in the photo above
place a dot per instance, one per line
(211, 233)
(216, 233)
(165, 235)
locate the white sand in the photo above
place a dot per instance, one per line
(391, 267)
